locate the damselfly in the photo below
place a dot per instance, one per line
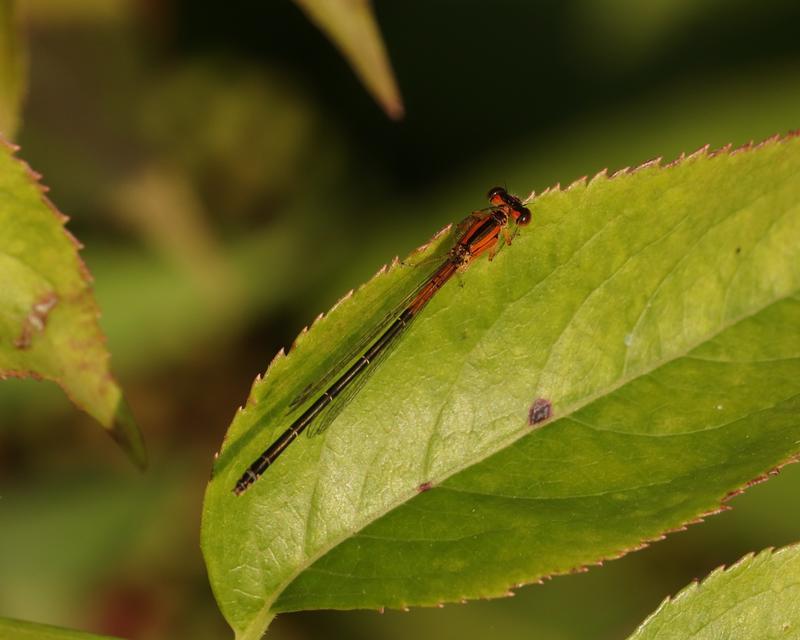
(480, 233)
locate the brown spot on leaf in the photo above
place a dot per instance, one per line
(36, 320)
(425, 486)
(540, 411)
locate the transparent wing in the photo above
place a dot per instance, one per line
(332, 411)
(319, 385)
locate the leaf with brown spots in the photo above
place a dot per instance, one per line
(630, 362)
(48, 314)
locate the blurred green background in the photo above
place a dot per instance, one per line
(231, 179)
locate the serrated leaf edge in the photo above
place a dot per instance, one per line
(133, 448)
(714, 574)
(656, 164)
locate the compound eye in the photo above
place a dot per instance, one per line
(524, 215)
(497, 195)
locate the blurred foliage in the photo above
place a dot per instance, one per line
(213, 244)
(13, 68)
(48, 325)
(351, 26)
(20, 630)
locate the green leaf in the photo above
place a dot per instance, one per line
(758, 597)
(656, 310)
(19, 630)
(48, 315)
(351, 25)
(13, 69)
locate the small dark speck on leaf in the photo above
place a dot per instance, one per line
(425, 486)
(738, 249)
(540, 411)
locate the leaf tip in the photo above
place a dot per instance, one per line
(299, 339)
(579, 182)
(353, 29)
(385, 268)
(620, 172)
(698, 153)
(251, 397)
(126, 433)
(553, 189)
(725, 149)
(676, 161)
(600, 175)
(747, 146)
(433, 239)
(10, 146)
(394, 107)
(276, 358)
(344, 298)
(653, 163)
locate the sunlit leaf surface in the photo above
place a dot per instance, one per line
(758, 597)
(48, 315)
(656, 311)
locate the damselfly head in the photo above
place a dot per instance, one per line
(499, 197)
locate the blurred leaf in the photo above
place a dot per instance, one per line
(19, 630)
(626, 33)
(758, 597)
(59, 13)
(656, 311)
(188, 317)
(62, 536)
(13, 70)
(351, 25)
(48, 324)
(243, 134)
(161, 203)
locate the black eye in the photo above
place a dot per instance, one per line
(524, 215)
(497, 192)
